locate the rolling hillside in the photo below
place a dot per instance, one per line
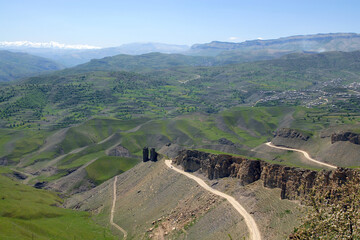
(19, 65)
(73, 95)
(29, 213)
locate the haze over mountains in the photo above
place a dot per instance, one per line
(71, 55)
(209, 54)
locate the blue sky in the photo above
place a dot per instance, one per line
(114, 22)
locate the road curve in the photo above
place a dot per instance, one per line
(249, 220)
(307, 156)
(113, 211)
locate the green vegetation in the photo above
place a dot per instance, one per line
(16, 144)
(54, 124)
(107, 167)
(143, 63)
(17, 65)
(73, 95)
(28, 213)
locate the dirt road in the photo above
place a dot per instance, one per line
(307, 156)
(113, 211)
(249, 220)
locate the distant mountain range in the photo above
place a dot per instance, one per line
(227, 52)
(213, 53)
(316, 43)
(269, 49)
(71, 55)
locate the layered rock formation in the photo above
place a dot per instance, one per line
(293, 182)
(291, 133)
(346, 136)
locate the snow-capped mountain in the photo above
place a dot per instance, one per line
(71, 55)
(52, 44)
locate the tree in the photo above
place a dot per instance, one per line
(334, 213)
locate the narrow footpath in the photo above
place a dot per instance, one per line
(249, 220)
(307, 156)
(113, 211)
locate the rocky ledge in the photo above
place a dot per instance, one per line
(294, 183)
(291, 133)
(346, 136)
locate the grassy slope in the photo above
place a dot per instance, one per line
(143, 62)
(246, 127)
(16, 65)
(106, 167)
(28, 213)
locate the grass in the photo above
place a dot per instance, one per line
(29, 213)
(108, 166)
(246, 127)
(75, 138)
(44, 156)
(75, 162)
(23, 142)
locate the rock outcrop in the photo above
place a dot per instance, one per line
(346, 136)
(293, 182)
(291, 133)
(145, 154)
(153, 155)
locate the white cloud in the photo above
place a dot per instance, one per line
(233, 38)
(51, 44)
(259, 38)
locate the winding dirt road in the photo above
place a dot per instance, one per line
(307, 156)
(113, 211)
(249, 220)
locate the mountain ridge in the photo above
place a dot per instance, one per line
(261, 42)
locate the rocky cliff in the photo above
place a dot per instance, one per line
(291, 133)
(293, 182)
(346, 136)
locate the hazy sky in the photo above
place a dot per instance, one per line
(115, 22)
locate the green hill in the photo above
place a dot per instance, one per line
(71, 96)
(18, 65)
(143, 63)
(29, 213)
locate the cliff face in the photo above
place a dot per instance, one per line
(346, 136)
(293, 182)
(291, 133)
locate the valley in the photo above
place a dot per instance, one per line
(249, 141)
